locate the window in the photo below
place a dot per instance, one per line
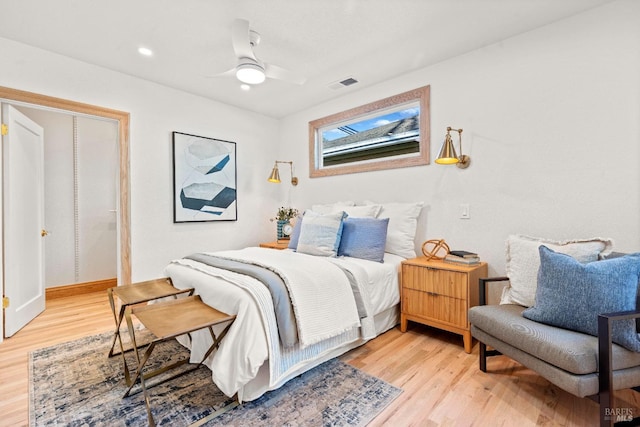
(390, 133)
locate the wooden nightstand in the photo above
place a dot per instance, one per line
(439, 294)
(279, 244)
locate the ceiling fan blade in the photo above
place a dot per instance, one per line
(241, 40)
(230, 72)
(279, 73)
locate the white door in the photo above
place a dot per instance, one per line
(23, 219)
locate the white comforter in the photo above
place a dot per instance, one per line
(239, 364)
(323, 301)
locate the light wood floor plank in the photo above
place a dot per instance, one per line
(442, 384)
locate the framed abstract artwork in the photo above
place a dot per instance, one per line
(204, 179)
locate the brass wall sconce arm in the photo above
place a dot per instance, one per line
(275, 173)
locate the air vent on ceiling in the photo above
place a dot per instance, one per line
(343, 83)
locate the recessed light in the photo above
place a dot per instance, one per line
(145, 51)
(245, 86)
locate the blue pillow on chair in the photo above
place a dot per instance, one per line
(571, 295)
(364, 238)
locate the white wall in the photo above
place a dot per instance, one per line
(156, 111)
(551, 122)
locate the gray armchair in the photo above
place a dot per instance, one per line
(581, 364)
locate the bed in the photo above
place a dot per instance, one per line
(337, 303)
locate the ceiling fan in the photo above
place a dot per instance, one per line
(249, 68)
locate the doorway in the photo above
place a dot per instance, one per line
(80, 159)
(13, 96)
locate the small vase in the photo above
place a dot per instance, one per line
(281, 223)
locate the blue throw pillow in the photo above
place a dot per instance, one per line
(295, 234)
(571, 295)
(320, 234)
(364, 238)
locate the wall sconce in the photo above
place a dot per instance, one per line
(275, 174)
(448, 154)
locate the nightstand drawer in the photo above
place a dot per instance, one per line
(436, 281)
(435, 307)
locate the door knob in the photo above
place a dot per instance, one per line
(43, 232)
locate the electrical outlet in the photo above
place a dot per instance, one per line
(465, 213)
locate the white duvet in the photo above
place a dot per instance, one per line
(240, 365)
(321, 294)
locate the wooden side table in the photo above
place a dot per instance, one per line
(439, 294)
(278, 244)
(170, 319)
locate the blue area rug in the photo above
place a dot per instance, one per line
(75, 384)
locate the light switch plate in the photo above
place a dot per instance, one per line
(465, 213)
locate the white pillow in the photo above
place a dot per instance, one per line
(320, 233)
(332, 207)
(368, 211)
(523, 262)
(403, 222)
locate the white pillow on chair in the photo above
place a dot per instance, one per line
(523, 262)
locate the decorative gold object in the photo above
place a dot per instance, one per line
(448, 154)
(432, 248)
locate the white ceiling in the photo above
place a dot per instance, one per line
(324, 40)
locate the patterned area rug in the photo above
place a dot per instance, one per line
(75, 384)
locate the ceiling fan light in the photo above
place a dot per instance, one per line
(252, 74)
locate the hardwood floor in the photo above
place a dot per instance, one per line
(442, 384)
(64, 319)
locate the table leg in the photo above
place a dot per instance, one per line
(116, 319)
(468, 341)
(117, 337)
(141, 364)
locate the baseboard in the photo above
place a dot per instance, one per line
(80, 288)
